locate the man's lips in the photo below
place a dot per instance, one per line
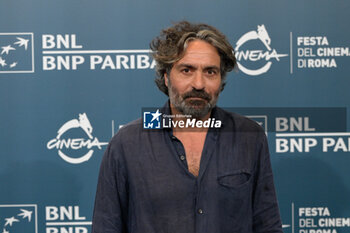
(196, 95)
(196, 98)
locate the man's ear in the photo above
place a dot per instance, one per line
(166, 79)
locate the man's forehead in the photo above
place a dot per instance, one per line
(200, 46)
(200, 52)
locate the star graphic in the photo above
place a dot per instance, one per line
(22, 42)
(26, 214)
(2, 62)
(4, 231)
(13, 64)
(156, 115)
(6, 49)
(10, 221)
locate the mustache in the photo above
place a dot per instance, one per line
(198, 94)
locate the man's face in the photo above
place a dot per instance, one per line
(194, 81)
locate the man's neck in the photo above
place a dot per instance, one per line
(179, 116)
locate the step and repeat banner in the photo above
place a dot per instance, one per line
(73, 72)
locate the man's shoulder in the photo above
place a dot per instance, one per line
(128, 132)
(135, 125)
(239, 122)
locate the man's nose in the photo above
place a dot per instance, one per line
(198, 81)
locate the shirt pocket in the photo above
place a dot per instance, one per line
(235, 195)
(236, 182)
(235, 179)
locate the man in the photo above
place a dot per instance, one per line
(180, 180)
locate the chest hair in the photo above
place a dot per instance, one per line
(193, 144)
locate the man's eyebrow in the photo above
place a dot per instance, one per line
(211, 68)
(193, 67)
(185, 65)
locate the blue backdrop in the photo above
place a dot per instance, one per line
(73, 72)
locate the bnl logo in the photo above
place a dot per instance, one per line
(16, 52)
(151, 120)
(18, 218)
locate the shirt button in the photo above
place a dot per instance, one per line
(182, 157)
(200, 211)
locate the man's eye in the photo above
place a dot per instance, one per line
(186, 70)
(211, 72)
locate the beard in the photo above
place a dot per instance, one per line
(198, 108)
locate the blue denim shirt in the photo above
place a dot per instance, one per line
(144, 184)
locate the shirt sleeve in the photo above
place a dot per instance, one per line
(266, 216)
(110, 209)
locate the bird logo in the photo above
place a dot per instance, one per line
(22, 42)
(15, 218)
(10, 221)
(16, 52)
(26, 214)
(6, 49)
(2, 62)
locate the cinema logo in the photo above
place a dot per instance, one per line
(64, 52)
(69, 144)
(258, 61)
(157, 120)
